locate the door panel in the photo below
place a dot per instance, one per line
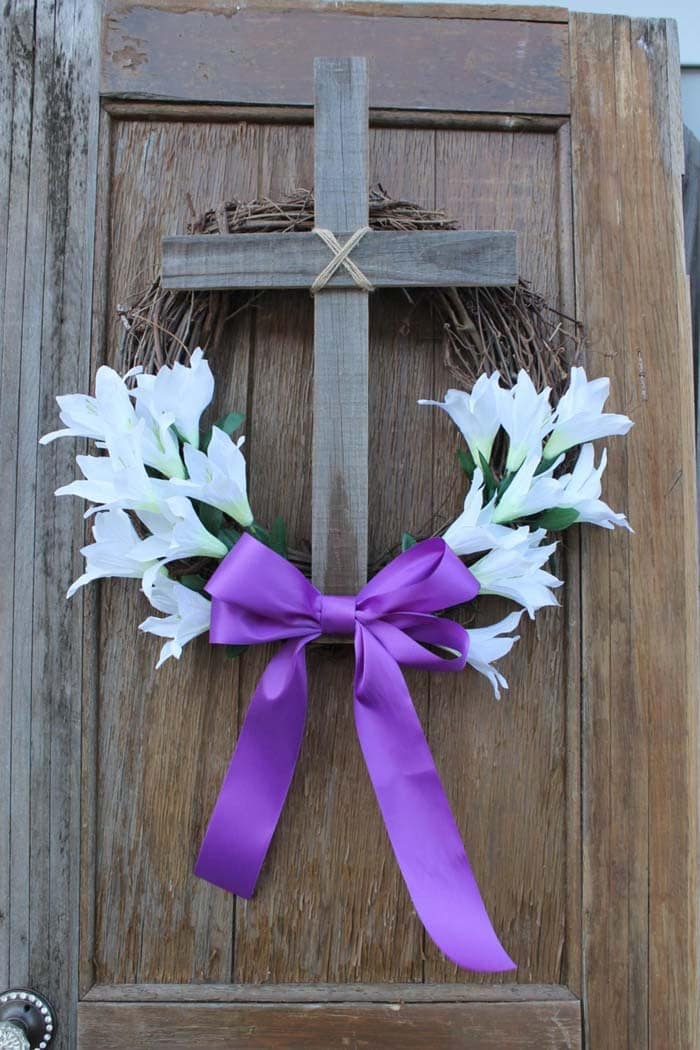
(331, 906)
(577, 793)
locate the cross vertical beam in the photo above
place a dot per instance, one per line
(341, 336)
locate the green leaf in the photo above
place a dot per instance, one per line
(194, 581)
(466, 462)
(407, 541)
(545, 464)
(260, 533)
(505, 482)
(278, 537)
(490, 482)
(229, 536)
(234, 651)
(228, 423)
(557, 519)
(211, 518)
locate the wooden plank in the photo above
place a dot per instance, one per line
(691, 225)
(472, 1026)
(399, 258)
(50, 95)
(134, 109)
(504, 763)
(372, 8)
(341, 336)
(154, 921)
(216, 53)
(16, 85)
(639, 625)
(328, 993)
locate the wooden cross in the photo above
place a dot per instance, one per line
(387, 259)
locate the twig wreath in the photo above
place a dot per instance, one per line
(171, 509)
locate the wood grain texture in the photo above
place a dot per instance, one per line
(640, 701)
(691, 226)
(162, 739)
(328, 993)
(504, 764)
(473, 1026)
(152, 109)
(265, 55)
(48, 106)
(341, 335)
(372, 8)
(395, 259)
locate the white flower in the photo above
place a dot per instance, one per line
(181, 393)
(188, 614)
(487, 644)
(119, 479)
(527, 494)
(516, 572)
(159, 443)
(579, 415)
(526, 416)
(178, 533)
(109, 417)
(474, 530)
(110, 410)
(112, 552)
(475, 414)
(581, 490)
(217, 477)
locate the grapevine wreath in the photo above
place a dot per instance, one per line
(170, 508)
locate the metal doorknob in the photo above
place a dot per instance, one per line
(27, 1020)
(12, 1037)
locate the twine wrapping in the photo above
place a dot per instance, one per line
(341, 257)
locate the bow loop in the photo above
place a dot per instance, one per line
(259, 596)
(424, 579)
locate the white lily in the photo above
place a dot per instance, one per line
(119, 479)
(110, 410)
(112, 552)
(178, 533)
(580, 491)
(527, 494)
(526, 416)
(181, 393)
(487, 644)
(217, 476)
(188, 615)
(579, 415)
(516, 572)
(160, 446)
(474, 530)
(476, 414)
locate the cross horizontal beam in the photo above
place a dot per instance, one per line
(389, 259)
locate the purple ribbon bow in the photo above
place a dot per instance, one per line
(258, 596)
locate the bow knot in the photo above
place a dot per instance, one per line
(337, 614)
(258, 596)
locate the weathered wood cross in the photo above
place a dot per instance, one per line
(387, 259)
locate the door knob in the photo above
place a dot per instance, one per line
(27, 1020)
(12, 1037)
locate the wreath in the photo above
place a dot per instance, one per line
(170, 508)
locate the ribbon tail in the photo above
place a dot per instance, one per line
(417, 815)
(258, 778)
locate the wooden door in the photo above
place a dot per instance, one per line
(576, 793)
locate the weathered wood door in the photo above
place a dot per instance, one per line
(576, 793)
